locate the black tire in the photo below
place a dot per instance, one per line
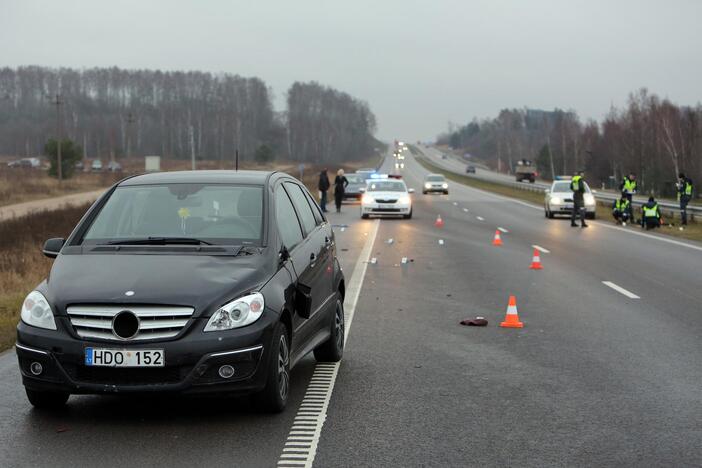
(551, 215)
(446, 192)
(274, 396)
(46, 400)
(332, 350)
(424, 192)
(591, 216)
(364, 216)
(408, 216)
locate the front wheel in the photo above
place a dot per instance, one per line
(333, 349)
(274, 395)
(408, 216)
(46, 400)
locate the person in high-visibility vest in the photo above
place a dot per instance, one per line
(577, 185)
(628, 188)
(684, 195)
(650, 214)
(620, 210)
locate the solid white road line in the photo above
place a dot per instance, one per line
(307, 426)
(541, 249)
(501, 229)
(621, 290)
(650, 236)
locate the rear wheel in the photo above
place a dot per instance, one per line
(333, 349)
(46, 400)
(274, 395)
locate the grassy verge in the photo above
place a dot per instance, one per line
(604, 211)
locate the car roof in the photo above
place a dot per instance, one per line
(430, 175)
(201, 177)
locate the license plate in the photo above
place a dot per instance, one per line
(124, 358)
(385, 206)
(568, 206)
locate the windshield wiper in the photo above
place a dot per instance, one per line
(161, 241)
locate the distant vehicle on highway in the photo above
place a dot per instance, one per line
(356, 183)
(470, 170)
(218, 282)
(25, 163)
(524, 170)
(559, 199)
(114, 166)
(96, 165)
(435, 183)
(386, 196)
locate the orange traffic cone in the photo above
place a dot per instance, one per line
(439, 222)
(512, 317)
(536, 261)
(497, 241)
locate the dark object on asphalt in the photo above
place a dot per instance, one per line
(476, 322)
(222, 284)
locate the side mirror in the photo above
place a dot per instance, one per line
(283, 254)
(362, 190)
(410, 190)
(303, 300)
(52, 247)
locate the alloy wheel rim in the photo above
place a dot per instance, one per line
(339, 325)
(283, 376)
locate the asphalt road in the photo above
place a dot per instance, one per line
(595, 377)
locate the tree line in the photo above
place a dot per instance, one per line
(112, 113)
(650, 136)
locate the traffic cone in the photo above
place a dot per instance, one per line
(512, 317)
(497, 241)
(439, 222)
(536, 261)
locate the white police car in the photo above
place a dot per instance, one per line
(386, 196)
(559, 199)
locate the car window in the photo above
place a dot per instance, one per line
(355, 179)
(565, 187)
(288, 224)
(316, 210)
(386, 186)
(218, 213)
(303, 207)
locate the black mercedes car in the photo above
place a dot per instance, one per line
(188, 282)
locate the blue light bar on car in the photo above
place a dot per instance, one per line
(379, 176)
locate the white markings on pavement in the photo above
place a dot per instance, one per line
(541, 249)
(480, 218)
(303, 438)
(643, 234)
(441, 242)
(501, 229)
(465, 209)
(621, 290)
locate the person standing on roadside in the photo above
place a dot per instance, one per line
(577, 185)
(684, 186)
(628, 188)
(323, 186)
(340, 184)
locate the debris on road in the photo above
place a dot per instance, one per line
(441, 242)
(390, 241)
(373, 261)
(476, 322)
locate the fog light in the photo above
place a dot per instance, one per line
(226, 371)
(36, 368)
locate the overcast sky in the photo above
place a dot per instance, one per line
(418, 64)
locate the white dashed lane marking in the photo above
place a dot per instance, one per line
(480, 218)
(301, 445)
(541, 249)
(501, 229)
(621, 290)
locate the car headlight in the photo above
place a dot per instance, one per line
(427, 185)
(404, 200)
(36, 311)
(444, 185)
(239, 313)
(367, 199)
(589, 199)
(556, 200)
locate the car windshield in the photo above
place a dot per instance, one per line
(386, 186)
(354, 179)
(435, 178)
(561, 187)
(217, 214)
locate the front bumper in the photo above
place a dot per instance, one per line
(567, 208)
(386, 209)
(435, 189)
(191, 361)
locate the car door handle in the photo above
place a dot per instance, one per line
(313, 257)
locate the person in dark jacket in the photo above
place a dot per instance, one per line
(577, 185)
(340, 184)
(620, 210)
(323, 186)
(650, 215)
(684, 186)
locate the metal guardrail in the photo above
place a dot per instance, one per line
(666, 207)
